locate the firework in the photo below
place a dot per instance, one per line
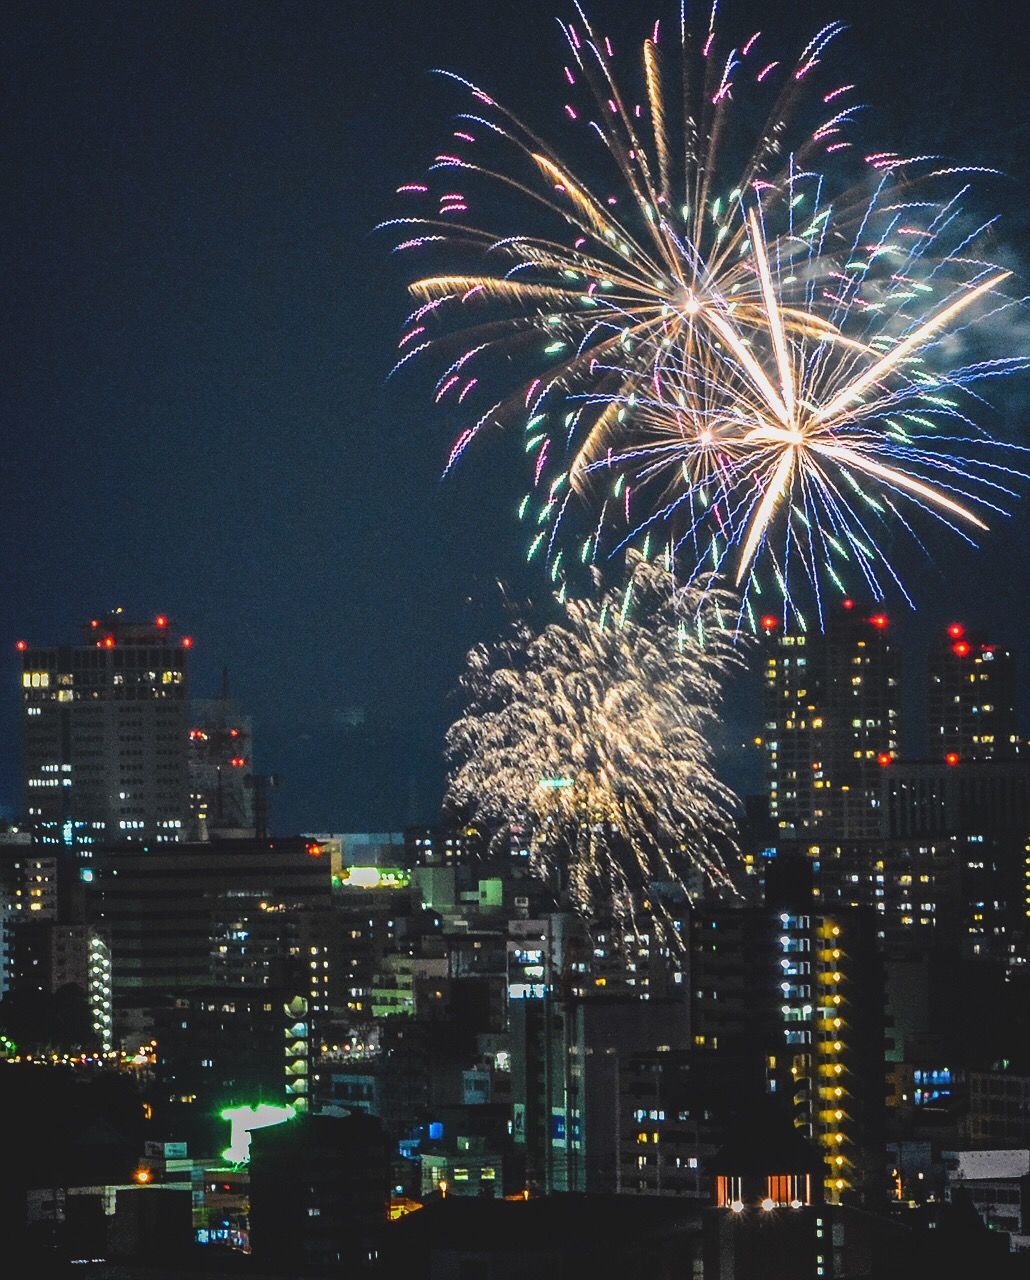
(742, 345)
(596, 734)
(809, 449)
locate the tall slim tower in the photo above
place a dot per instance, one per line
(972, 698)
(105, 735)
(831, 722)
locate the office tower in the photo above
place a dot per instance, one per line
(166, 911)
(971, 702)
(831, 722)
(104, 732)
(974, 797)
(221, 767)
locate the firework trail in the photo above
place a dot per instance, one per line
(596, 734)
(771, 306)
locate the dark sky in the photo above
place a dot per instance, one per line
(198, 323)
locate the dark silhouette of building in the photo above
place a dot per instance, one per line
(221, 766)
(163, 909)
(319, 1190)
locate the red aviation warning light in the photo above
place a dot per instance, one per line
(108, 642)
(314, 848)
(769, 623)
(960, 648)
(951, 758)
(883, 759)
(956, 631)
(187, 642)
(879, 621)
(848, 603)
(160, 620)
(21, 646)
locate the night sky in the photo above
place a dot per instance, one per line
(199, 321)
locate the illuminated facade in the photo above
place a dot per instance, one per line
(831, 723)
(28, 880)
(104, 733)
(443, 846)
(977, 812)
(971, 700)
(950, 890)
(168, 911)
(789, 998)
(832, 1045)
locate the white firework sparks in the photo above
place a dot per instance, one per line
(597, 731)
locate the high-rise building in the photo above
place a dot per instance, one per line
(789, 999)
(221, 766)
(831, 722)
(971, 704)
(104, 732)
(831, 1063)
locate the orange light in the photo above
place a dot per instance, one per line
(21, 646)
(314, 848)
(883, 758)
(142, 1176)
(951, 758)
(94, 623)
(108, 642)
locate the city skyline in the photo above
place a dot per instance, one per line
(227, 451)
(509, 767)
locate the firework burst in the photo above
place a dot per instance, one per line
(738, 306)
(812, 451)
(596, 733)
